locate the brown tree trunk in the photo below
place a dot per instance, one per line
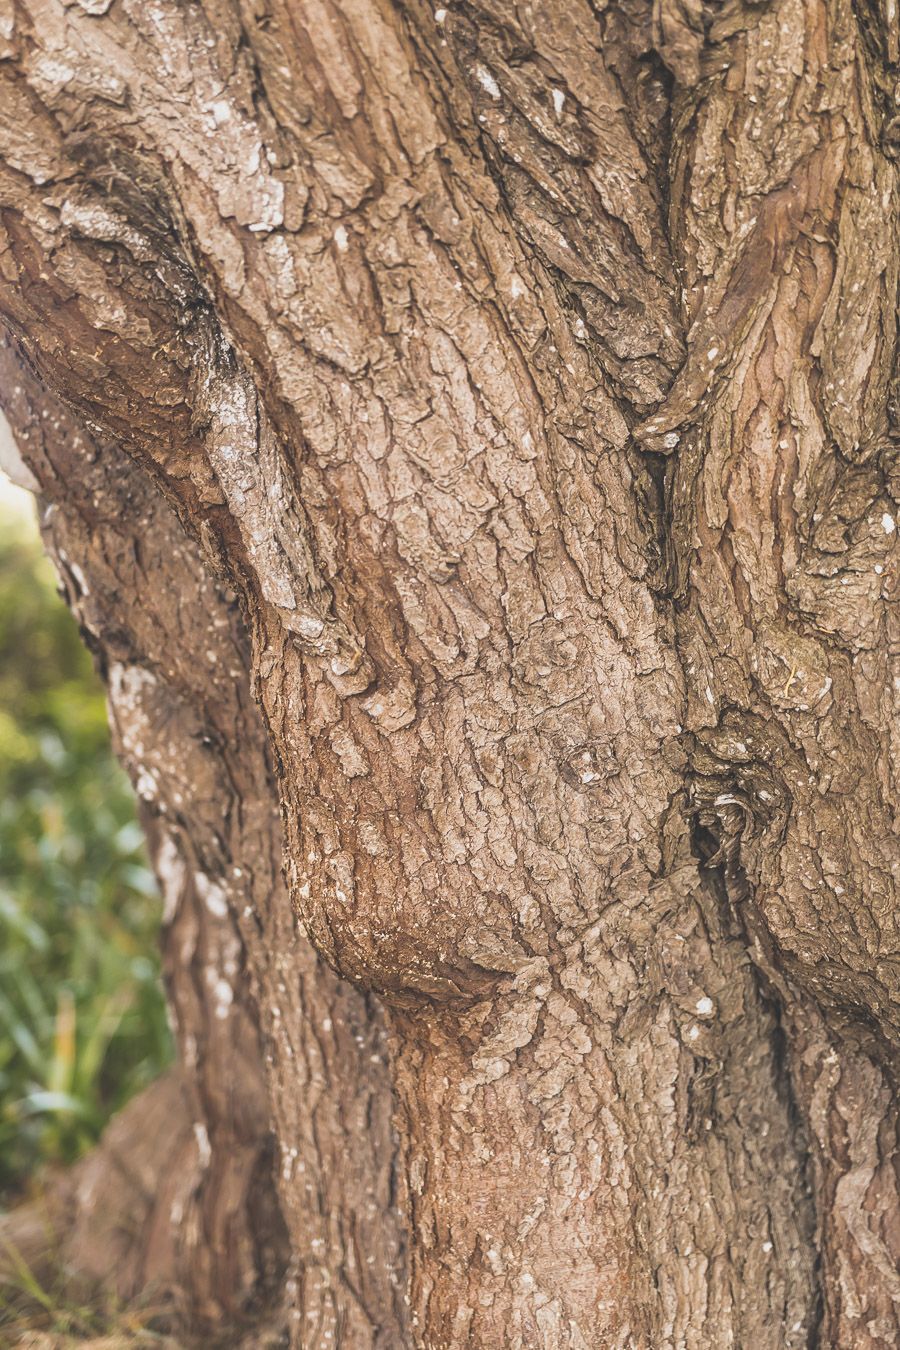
(508, 397)
(192, 739)
(184, 1199)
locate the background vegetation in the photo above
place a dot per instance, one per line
(82, 1018)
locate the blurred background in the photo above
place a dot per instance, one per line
(82, 1018)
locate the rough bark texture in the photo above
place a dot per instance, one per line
(184, 1199)
(527, 378)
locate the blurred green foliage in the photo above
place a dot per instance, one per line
(82, 1017)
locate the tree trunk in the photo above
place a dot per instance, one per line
(181, 1199)
(508, 398)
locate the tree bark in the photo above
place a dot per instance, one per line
(509, 399)
(183, 1199)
